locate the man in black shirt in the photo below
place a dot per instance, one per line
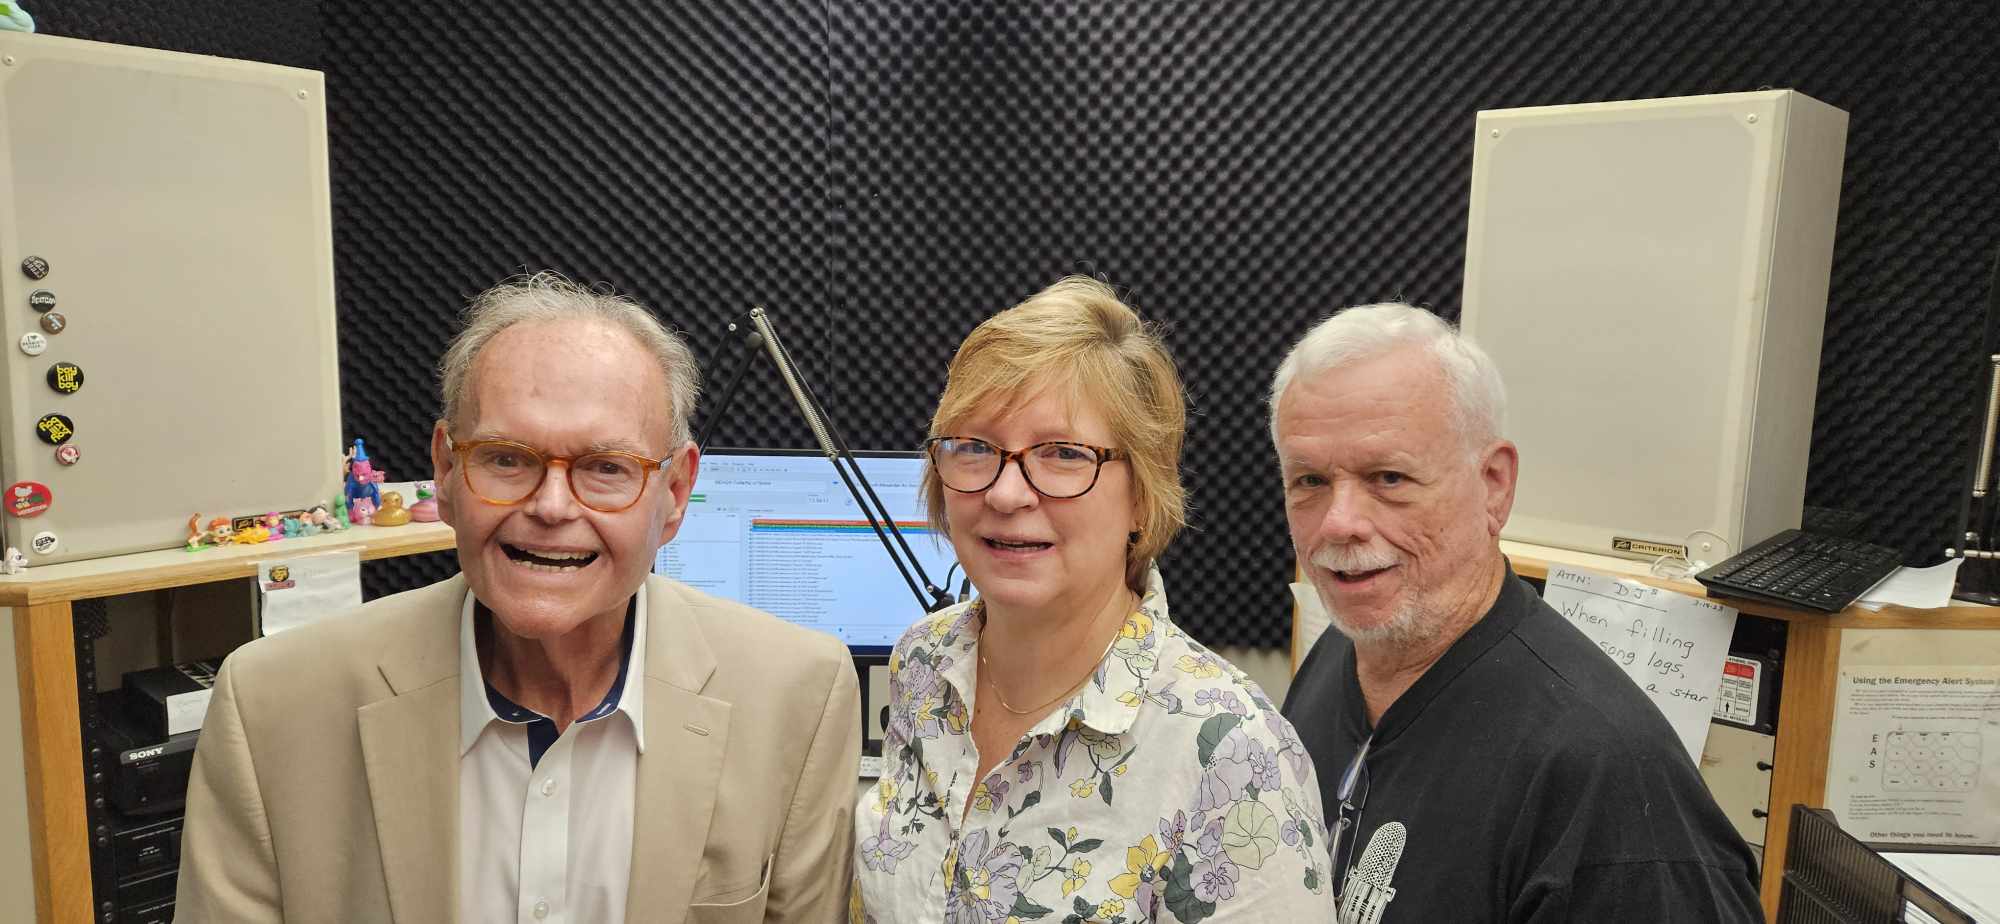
(1480, 759)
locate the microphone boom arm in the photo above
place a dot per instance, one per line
(763, 334)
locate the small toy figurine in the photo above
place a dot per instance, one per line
(323, 521)
(251, 535)
(16, 562)
(219, 532)
(393, 513)
(274, 527)
(362, 495)
(425, 510)
(15, 19)
(293, 525)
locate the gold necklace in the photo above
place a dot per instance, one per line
(994, 685)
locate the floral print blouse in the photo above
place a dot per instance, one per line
(1167, 789)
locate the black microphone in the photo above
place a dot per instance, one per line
(1367, 893)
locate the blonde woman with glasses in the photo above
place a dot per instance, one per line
(1058, 747)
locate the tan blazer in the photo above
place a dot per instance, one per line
(325, 787)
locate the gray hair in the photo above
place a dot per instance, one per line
(548, 296)
(1478, 397)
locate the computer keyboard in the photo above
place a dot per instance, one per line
(1799, 569)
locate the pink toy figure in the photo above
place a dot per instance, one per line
(425, 510)
(275, 524)
(363, 497)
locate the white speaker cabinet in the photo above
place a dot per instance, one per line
(165, 235)
(1651, 278)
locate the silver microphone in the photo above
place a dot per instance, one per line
(1367, 892)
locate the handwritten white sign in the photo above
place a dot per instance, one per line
(1671, 645)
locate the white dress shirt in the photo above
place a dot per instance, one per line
(547, 842)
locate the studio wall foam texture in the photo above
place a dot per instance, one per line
(884, 175)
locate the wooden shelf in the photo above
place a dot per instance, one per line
(1534, 561)
(1811, 672)
(124, 574)
(58, 837)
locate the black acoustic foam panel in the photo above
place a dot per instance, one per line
(884, 175)
(676, 152)
(1245, 168)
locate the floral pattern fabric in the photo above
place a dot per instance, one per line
(1168, 789)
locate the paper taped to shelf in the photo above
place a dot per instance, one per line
(1915, 756)
(1672, 645)
(294, 591)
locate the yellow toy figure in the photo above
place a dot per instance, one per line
(393, 513)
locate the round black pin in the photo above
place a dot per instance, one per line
(35, 267)
(42, 300)
(66, 378)
(55, 429)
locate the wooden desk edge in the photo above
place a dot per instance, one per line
(1854, 617)
(58, 828)
(45, 664)
(216, 564)
(1800, 756)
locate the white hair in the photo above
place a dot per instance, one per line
(1478, 398)
(547, 296)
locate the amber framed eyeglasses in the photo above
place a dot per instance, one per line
(505, 473)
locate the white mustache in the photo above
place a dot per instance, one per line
(1353, 559)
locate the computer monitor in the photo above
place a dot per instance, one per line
(777, 529)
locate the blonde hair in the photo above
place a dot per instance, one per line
(548, 296)
(1078, 337)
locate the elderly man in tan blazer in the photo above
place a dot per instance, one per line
(553, 735)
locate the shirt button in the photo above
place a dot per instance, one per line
(541, 909)
(548, 789)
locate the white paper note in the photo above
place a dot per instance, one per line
(1919, 588)
(1671, 645)
(296, 591)
(1915, 756)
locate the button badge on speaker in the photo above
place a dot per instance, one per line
(42, 300)
(68, 454)
(33, 343)
(35, 267)
(66, 378)
(54, 322)
(55, 429)
(28, 499)
(44, 543)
